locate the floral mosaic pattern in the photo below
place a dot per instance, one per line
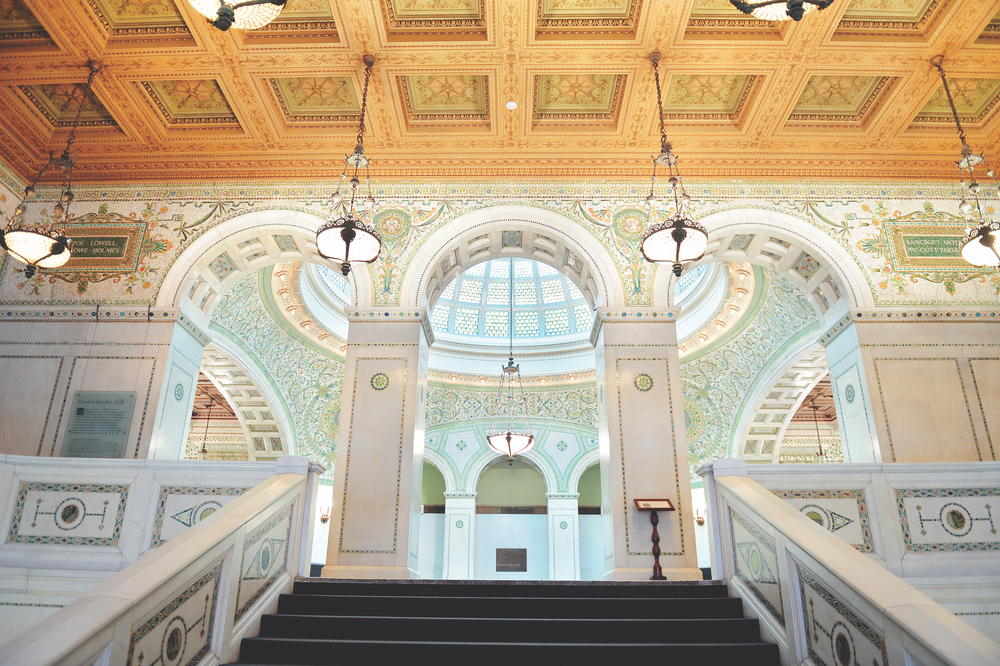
(756, 558)
(69, 514)
(935, 520)
(841, 512)
(265, 558)
(835, 634)
(187, 506)
(449, 404)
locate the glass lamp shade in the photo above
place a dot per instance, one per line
(510, 443)
(246, 15)
(979, 245)
(779, 12)
(36, 248)
(348, 239)
(677, 240)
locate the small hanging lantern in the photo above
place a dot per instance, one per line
(678, 239)
(510, 399)
(247, 15)
(40, 246)
(347, 238)
(780, 10)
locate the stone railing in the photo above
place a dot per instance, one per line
(197, 595)
(816, 596)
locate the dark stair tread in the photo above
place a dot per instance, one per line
(527, 630)
(565, 589)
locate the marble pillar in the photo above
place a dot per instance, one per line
(378, 475)
(564, 536)
(642, 444)
(922, 383)
(144, 357)
(459, 535)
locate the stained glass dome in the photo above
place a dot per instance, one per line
(546, 304)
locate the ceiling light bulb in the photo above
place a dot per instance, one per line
(511, 105)
(965, 206)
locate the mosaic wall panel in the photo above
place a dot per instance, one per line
(841, 512)
(936, 520)
(835, 635)
(77, 514)
(181, 632)
(756, 558)
(265, 558)
(181, 507)
(451, 404)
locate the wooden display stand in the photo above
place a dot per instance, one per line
(652, 506)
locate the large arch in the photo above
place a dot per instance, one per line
(487, 461)
(825, 272)
(223, 255)
(540, 234)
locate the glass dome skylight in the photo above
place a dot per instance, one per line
(337, 284)
(546, 304)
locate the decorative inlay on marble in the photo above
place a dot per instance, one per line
(756, 558)
(180, 507)
(835, 635)
(937, 520)
(182, 631)
(78, 514)
(265, 558)
(841, 512)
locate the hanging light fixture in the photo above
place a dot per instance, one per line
(820, 457)
(678, 239)
(510, 399)
(247, 15)
(780, 10)
(203, 454)
(39, 245)
(979, 245)
(347, 238)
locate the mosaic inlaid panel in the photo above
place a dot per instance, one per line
(265, 557)
(78, 514)
(181, 507)
(181, 632)
(948, 519)
(835, 635)
(841, 512)
(756, 558)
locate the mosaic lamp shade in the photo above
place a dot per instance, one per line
(506, 436)
(511, 444)
(348, 239)
(979, 246)
(780, 10)
(247, 15)
(677, 240)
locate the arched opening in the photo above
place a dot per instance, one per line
(432, 523)
(511, 525)
(591, 524)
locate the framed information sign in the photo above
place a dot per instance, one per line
(99, 424)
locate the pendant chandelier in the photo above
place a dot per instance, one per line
(39, 245)
(678, 239)
(979, 245)
(820, 457)
(510, 399)
(247, 15)
(347, 238)
(780, 10)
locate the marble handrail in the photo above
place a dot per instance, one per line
(196, 596)
(816, 596)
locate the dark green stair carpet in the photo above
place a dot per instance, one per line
(524, 623)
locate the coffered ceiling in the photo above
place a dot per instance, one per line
(846, 93)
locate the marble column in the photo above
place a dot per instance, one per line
(459, 535)
(851, 397)
(144, 357)
(378, 471)
(564, 536)
(642, 444)
(928, 380)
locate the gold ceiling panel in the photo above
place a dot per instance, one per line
(576, 19)
(434, 20)
(581, 101)
(709, 98)
(975, 100)
(190, 103)
(743, 98)
(834, 101)
(20, 28)
(436, 101)
(59, 103)
(879, 19)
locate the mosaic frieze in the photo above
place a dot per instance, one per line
(450, 404)
(181, 632)
(181, 507)
(264, 559)
(840, 512)
(935, 520)
(77, 514)
(835, 635)
(756, 558)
